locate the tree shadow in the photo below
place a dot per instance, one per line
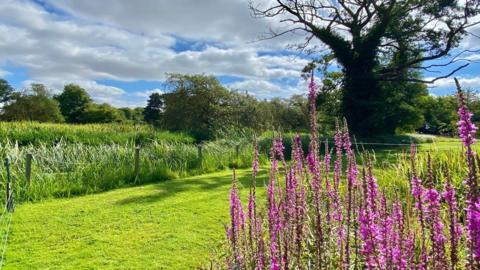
(170, 188)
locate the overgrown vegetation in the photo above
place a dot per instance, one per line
(329, 216)
(25, 133)
(69, 169)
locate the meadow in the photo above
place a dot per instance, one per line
(26, 133)
(155, 225)
(177, 205)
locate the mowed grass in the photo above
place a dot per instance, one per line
(169, 225)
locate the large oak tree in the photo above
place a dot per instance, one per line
(377, 41)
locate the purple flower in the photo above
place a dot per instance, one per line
(467, 131)
(399, 244)
(368, 222)
(466, 128)
(255, 163)
(312, 96)
(455, 227)
(432, 200)
(237, 218)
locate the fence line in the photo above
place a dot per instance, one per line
(5, 241)
(8, 210)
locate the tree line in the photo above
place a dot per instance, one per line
(73, 105)
(201, 106)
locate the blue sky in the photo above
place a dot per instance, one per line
(120, 51)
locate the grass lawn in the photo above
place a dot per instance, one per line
(169, 225)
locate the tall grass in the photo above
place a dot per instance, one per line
(25, 133)
(69, 169)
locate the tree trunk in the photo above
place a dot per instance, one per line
(361, 102)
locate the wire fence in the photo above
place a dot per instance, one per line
(7, 214)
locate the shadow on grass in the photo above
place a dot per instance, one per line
(166, 189)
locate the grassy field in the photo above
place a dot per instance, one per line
(25, 133)
(169, 225)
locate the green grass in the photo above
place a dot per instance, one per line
(168, 225)
(67, 170)
(25, 133)
(171, 224)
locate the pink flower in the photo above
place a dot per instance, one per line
(432, 200)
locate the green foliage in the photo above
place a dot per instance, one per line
(73, 101)
(439, 114)
(36, 106)
(153, 111)
(101, 113)
(287, 114)
(66, 169)
(6, 91)
(133, 115)
(25, 133)
(386, 44)
(198, 104)
(399, 110)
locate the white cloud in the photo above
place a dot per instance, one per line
(50, 47)
(147, 93)
(99, 92)
(227, 21)
(465, 82)
(266, 89)
(4, 73)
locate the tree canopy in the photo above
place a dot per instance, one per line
(153, 111)
(377, 41)
(73, 101)
(33, 105)
(6, 91)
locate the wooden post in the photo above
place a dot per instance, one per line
(28, 168)
(137, 162)
(9, 194)
(200, 152)
(237, 151)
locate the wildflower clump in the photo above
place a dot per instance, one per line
(318, 218)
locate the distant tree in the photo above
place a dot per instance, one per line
(135, 114)
(6, 91)
(33, 106)
(101, 113)
(39, 89)
(73, 101)
(439, 115)
(366, 37)
(244, 112)
(197, 104)
(153, 111)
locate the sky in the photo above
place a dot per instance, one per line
(121, 50)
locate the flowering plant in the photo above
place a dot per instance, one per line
(316, 218)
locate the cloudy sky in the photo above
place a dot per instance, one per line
(120, 50)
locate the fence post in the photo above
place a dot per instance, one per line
(9, 195)
(237, 150)
(28, 168)
(200, 152)
(137, 162)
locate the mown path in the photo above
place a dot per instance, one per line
(168, 225)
